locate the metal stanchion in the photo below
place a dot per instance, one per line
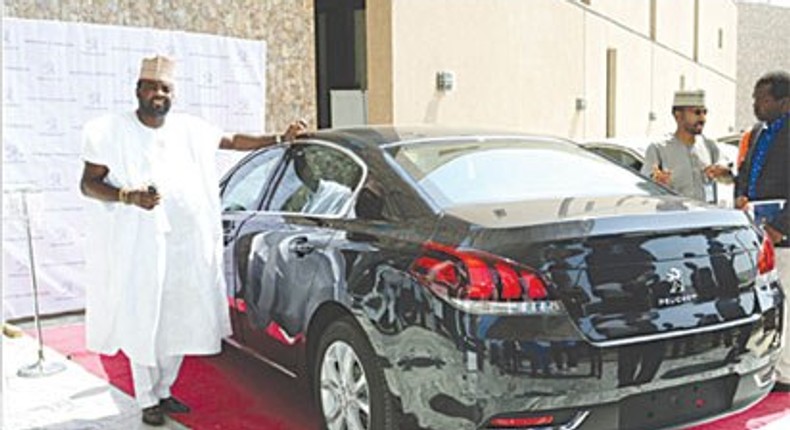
(41, 367)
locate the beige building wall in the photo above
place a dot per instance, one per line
(633, 93)
(675, 25)
(523, 64)
(517, 64)
(763, 46)
(285, 25)
(635, 15)
(379, 60)
(718, 42)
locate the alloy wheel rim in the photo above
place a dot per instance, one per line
(345, 395)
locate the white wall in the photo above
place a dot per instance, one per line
(523, 64)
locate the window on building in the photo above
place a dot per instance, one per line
(653, 20)
(611, 91)
(696, 30)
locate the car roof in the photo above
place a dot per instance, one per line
(384, 135)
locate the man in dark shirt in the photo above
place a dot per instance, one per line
(764, 176)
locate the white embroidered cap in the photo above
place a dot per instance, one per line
(158, 68)
(689, 98)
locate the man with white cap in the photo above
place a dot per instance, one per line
(686, 161)
(155, 249)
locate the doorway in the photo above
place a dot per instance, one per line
(341, 62)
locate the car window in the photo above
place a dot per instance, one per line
(317, 180)
(244, 187)
(619, 156)
(502, 170)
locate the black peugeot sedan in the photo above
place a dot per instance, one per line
(458, 279)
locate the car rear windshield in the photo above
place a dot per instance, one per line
(489, 170)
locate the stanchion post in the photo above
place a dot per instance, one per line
(41, 367)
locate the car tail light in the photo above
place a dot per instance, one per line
(557, 419)
(521, 422)
(766, 259)
(238, 304)
(476, 275)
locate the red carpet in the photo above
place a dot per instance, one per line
(232, 391)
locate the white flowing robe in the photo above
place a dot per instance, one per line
(156, 286)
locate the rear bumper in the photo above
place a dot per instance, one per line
(454, 370)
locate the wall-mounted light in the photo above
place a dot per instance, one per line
(581, 104)
(445, 80)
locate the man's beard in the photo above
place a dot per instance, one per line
(148, 108)
(692, 129)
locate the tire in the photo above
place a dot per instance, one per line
(345, 359)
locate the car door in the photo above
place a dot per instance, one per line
(242, 194)
(285, 246)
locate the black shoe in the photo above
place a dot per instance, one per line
(781, 387)
(171, 405)
(153, 416)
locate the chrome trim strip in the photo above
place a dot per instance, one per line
(765, 380)
(256, 355)
(662, 336)
(540, 307)
(576, 421)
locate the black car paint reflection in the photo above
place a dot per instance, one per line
(651, 298)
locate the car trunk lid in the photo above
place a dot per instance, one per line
(648, 267)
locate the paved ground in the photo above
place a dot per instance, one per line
(72, 399)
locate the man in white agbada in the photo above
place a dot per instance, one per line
(155, 250)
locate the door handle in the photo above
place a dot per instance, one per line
(228, 228)
(300, 246)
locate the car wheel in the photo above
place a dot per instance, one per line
(349, 383)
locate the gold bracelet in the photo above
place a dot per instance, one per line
(123, 195)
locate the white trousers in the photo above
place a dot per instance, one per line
(153, 383)
(783, 266)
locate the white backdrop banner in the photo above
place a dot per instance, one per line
(56, 76)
